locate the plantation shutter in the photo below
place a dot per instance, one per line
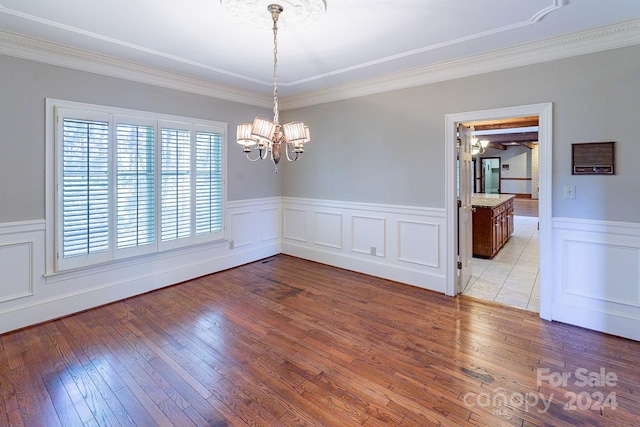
(128, 183)
(84, 188)
(208, 182)
(135, 186)
(175, 184)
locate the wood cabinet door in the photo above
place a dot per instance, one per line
(511, 220)
(505, 226)
(496, 242)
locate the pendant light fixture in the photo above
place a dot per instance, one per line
(477, 146)
(268, 136)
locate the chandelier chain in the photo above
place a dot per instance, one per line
(275, 67)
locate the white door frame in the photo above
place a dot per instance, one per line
(464, 213)
(545, 139)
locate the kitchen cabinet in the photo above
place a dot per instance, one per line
(492, 223)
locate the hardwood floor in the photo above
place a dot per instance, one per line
(285, 341)
(525, 207)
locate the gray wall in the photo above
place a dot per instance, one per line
(25, 85)
(518, 157)
(388, 148)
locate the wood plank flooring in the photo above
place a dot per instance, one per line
(525, 207)
(284, 342)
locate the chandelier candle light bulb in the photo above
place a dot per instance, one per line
(269, 136)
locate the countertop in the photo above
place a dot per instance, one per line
(490, 200)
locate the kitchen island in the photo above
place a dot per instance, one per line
(492, 223)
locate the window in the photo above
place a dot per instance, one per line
(132, 184)
(208, 182)
(176, 184)
(135, 185)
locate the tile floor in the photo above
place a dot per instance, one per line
(511, 277)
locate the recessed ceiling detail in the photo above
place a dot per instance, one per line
(353, 44)
(296, 13)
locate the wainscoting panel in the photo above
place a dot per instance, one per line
(17, 263)
(597, 275)
(395, 242)
(295, 224)
(595, 270)
(328, 229)
(418, 243)
(29, 294)
(368, 235)
(590, 265)
(241, 228)
(19, 259)
(269, 224)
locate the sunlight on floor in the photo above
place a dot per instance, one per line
(512, 276)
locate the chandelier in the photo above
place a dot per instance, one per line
(477, 146)
(268, 136)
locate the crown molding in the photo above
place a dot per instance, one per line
(592, 41)
(64, 56)
(601, 39)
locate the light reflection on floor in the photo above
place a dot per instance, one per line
(512, 276)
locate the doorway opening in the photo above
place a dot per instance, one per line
(539, 244)
(490, 176)
(510, 276)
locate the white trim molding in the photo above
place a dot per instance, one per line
(601, 39)
(34, 297)
(594, 265)
(597, 275)
(544, 112)
(76, 59)
(21, 255)
(369, 238)
(591, 41)
(414, 243)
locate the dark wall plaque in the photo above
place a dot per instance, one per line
(593, 158)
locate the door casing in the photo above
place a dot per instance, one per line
(544, 111)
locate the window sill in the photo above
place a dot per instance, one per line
(118, 264)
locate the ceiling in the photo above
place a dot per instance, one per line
(505, 133)
(354, 41)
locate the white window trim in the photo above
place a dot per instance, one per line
(51, 179)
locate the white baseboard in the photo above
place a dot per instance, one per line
(400, 243)
(29, 294)
(595, 270)
(597, 319)
(371, 267)
(33, 311)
